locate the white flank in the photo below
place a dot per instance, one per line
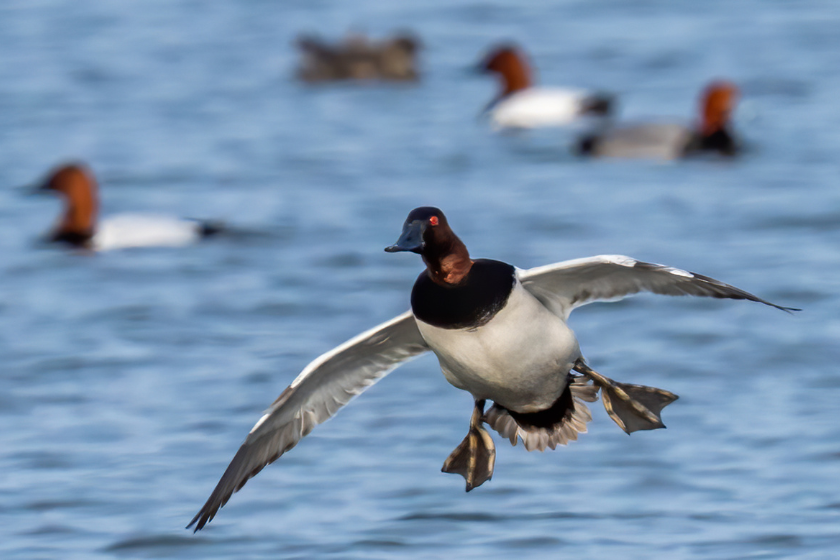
(144, 230)
(538, 107)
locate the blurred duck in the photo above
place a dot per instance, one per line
(671, 140)
(356, 58)
(499, 333)
(522, 105)
(78, 225)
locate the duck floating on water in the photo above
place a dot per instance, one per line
(79, 227)
(357, 58)
(521, 104)
(499, 333)
(671, 140)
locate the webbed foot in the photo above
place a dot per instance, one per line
(475, 457)
(632, 407)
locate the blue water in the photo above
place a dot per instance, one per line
(129, 379)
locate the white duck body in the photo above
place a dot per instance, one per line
(519, 359)
(124, 231)
(536, 107)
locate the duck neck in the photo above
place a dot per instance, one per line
(713, 124)
(516, 78)
(447, 262)
(80, 214)
(715, 111)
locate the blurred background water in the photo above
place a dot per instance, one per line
(129, 379)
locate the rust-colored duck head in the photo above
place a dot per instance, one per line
(76, 184)
(511, 64)
(716, 106)
(426, 232)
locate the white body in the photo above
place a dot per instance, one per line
(519, 359)
(144, 230)
(538, 107)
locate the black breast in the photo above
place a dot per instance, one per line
(722, 142)
(468, 304)
(72, 238)
(719, 141)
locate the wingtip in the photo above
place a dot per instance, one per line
(191, 523)
(202, 518)
(789, 310)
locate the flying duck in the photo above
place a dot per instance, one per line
(521, 104)
(665, 140)
(79, 226)
(499, 333)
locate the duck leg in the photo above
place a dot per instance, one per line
(632, 407)
(475, 457)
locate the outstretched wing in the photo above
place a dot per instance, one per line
(324, 386)
(566, 285)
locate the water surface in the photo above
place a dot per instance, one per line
(129, 379)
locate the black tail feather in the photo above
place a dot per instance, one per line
(599, 104)
(211, 227)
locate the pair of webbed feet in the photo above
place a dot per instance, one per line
(632, 407)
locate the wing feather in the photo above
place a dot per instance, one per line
(323, 387)
(564, 286)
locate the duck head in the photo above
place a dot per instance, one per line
(427, 233)
(404, 42)
(716, 106)
(509, 63)
(75, 183)
(397, 58)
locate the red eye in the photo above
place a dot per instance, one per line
(433, 220)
